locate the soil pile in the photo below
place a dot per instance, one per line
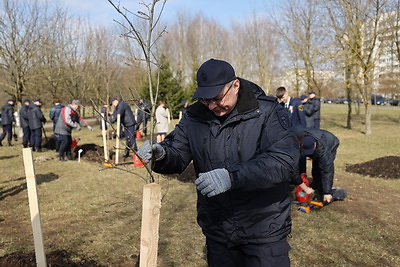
(91, 152)
(57, 258)
(386, 167)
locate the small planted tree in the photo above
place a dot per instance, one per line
(145, 33)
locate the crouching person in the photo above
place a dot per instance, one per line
(244, 158)
(321, 146)
(69, 119)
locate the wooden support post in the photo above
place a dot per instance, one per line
(34, 207)
(150, 225)
(117, 139)
(104, 133)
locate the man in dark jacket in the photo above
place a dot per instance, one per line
(244, 156)
(143, 115)
(24, 122)
(54, 114)
(316, 104)
(36, 119)
(7, 119)
(128, 121)
(321, 146)
(293, 105)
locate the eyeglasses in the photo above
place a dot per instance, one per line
(215, 101)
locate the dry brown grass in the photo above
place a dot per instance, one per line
(95, 212)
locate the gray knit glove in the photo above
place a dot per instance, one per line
(214, 182)
(146, 150)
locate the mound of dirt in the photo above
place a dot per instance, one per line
(385, 167)
(57, 258)
(91, 152)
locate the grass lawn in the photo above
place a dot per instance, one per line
(94, 213)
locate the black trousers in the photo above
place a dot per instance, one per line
(130, 137)
(7, 129)
(26, 136)
(36, 137)
(65, 144)
(255, 255)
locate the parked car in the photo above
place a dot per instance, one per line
(377, 100)
(394, 102)
(341, 101)
(327, 100)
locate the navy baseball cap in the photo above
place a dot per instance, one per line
(27, 100)
(37, 100)
(212, 76)
(308, 145)
(113, 99)
(302, 97)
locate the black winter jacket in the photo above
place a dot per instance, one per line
(23, 116)
(7, 114)
(35, 116)
(325, 154)
(127, 117)
(55, 112)
(254, 144)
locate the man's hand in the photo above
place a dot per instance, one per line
(328, 198)
(90, 128)
(146, 150)
(214, 182)
(78, 127)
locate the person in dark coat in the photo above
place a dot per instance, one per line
(106, 113)
(36, 120)
(54, 114)
(244, 156)
(143, 115)
(128, 121)
(69, 119)
(316, 103)
(7, 119)
(24, 122)
(321, 146)
(308, 108)
(294, 107)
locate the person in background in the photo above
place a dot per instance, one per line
(69, 119)
(36, 120)
(244, 156)
(316, 103)
(128, 121)
(143, 115)
(308, 111)
(7, 120)
(54, 114)
(24, 122)
(106, 112)
(297, 118)
(162, 121)
(185, 105)
(294, 107)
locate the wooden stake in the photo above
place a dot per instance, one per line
(34, 207)
(104, 133)
(117, 139)
(150, 225)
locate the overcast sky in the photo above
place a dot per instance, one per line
(223, 11)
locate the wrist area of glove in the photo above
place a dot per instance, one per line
(234, 178)
(158, 152)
